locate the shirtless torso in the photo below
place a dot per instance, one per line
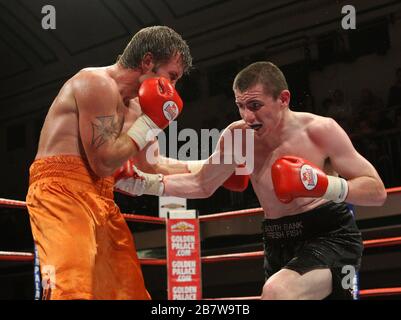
(279, 131)
(298, 141)
(93, 111)
(60, 133)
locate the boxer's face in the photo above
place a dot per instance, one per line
(259, 110)
(171, 70)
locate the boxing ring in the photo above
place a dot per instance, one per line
(373, 243)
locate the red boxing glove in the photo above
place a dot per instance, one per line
(159, 101)
(294, 177)
(236, 182)
(160, 104)
(126, 170)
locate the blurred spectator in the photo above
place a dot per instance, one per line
(394, 94)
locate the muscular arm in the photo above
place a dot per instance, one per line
(151, 161)
(364, 184)
(101, 119)
(198, 185)
(203, 183)
(169, 166)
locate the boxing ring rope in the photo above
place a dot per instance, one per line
(230, 214)
(383, 242)
(8, 203)
(28, 256)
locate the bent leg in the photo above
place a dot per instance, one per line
(290, 285)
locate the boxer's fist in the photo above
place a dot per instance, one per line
(126, 170)
(236, 182)
(294, 177)
(159, 101)
(160, 104)
(129, 180)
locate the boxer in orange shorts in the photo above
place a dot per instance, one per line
(101, 118)
(80, 233)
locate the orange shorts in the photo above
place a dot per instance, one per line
(86, 250)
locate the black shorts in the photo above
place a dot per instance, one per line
(325, 237)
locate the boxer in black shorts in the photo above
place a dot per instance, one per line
(325, 237)
(305, 168)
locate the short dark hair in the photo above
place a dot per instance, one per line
(161, 41)
(265, 73)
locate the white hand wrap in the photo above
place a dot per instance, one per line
(143, 131)
(145, 183)
(337, 189)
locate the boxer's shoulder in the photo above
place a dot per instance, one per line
(240, 124)
(93, 78)
(92, 84)
(320, 129)
(314, 124)
(236, 125)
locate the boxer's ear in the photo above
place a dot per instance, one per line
(285, 97)
(147, 63)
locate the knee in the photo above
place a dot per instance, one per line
(274, 290)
